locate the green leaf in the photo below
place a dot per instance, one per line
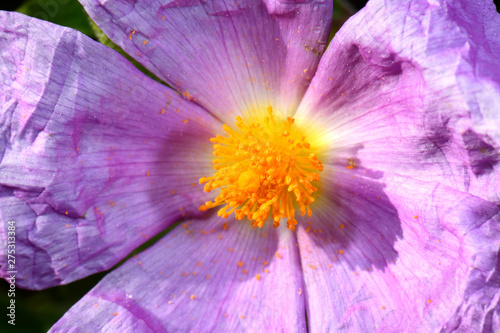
(68, 13)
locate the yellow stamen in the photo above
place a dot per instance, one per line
(249, 180)
(263, 169)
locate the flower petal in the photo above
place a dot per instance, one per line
(480, 306)
(202, 276)
(95, 157)
(230, 57)
(404, 255)
(415, 88)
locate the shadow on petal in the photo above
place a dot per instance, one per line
(354, 219)
(483, 156)
(368, 73)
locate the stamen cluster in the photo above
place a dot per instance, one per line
(262, 169)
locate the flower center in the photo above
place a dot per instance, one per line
(263, 168)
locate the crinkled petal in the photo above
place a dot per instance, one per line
(480, 308)
(230, 57)
(413, 89)
(401, 257)
(204, 276)
(95, 157)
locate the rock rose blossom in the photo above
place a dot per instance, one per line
(381, 152)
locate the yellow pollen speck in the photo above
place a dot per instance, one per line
(193, 297)
(66, 213)
(257, 276)
(147, 173)
(429, 301)
(162, 111)
(145, 42)
(240, 263)
(245, 271)
(264, 170)
(415, 217)
(342, 226)
(67, 225)
(115, 313)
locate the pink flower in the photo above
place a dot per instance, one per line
(401, 109)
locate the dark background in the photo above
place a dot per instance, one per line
(10, 5)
